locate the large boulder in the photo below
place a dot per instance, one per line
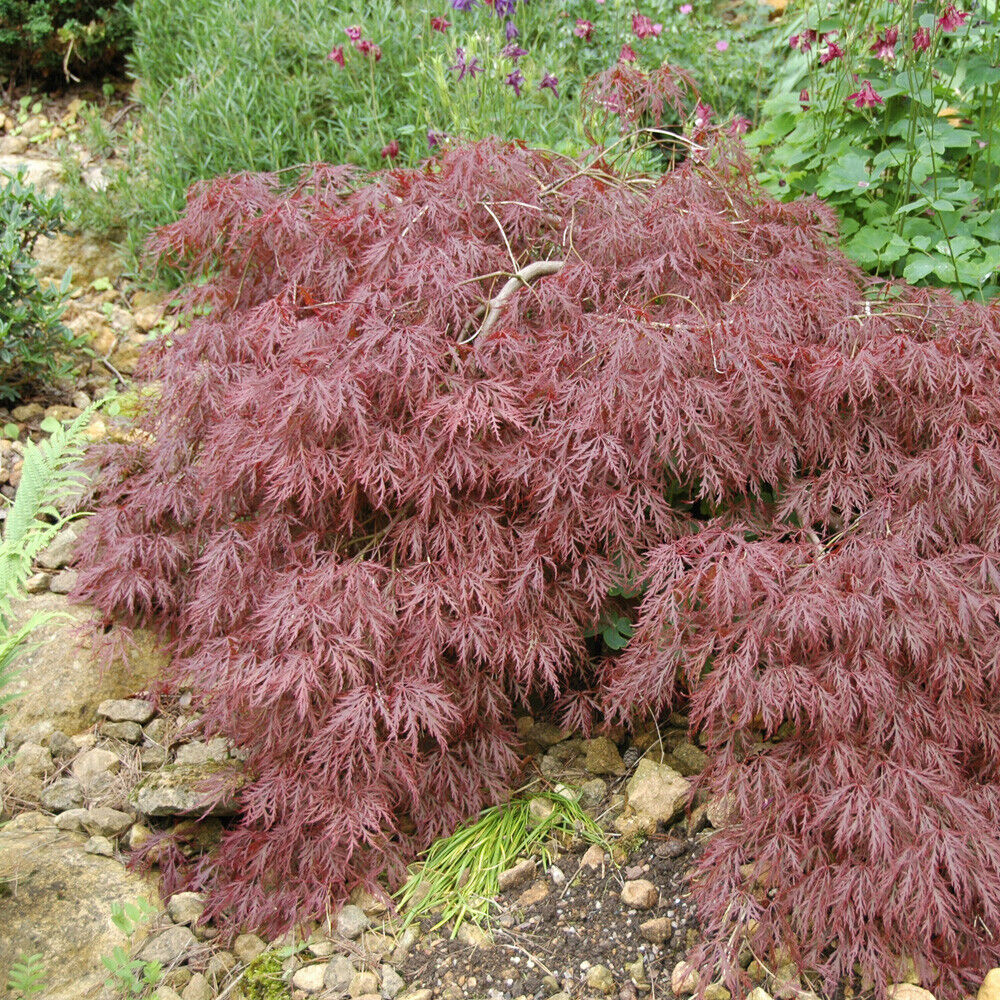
(189, 790)
(57, 679)
(56, 900)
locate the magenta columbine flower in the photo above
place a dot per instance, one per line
(865, 97)
(952, 19)
(354, 32)
(643, 27)
(515, 80)
(511, 31)
(804, 99)
(465, 67)
(804, 41)
(440, 24)
(337, 55)
(885, 45)
(627, 54)
(584, 29)
(921, 40)
(390, 151)
(831, 52)
(365, 47)
(551, 82)
(513, 52)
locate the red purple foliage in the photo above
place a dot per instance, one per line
(387, 490)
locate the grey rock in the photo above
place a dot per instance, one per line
(92, 764)
(105, 822)
(61, 745)
(126, 710)
(599, 978)
(34, 759)
(37, 583)
(172, 945)
(59, 682)
(63, 794)
(72, 820)
(362, 983)
(127, 732)
(309, 979)
(247, 947)
(392, 983)
(592, 793)
(657, 791)
(60, 551)
(186, 907)
(522, 872)
(197, 752)
(690, 759)
(101, 846)
(182, 790)
(338, 974)
(57, 902)
(603, 757)
(64, 582)
(351, 921)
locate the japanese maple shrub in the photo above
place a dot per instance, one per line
(430, 422)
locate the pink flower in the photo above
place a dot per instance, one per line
(865, 97)
(440, 24)
(365, 47)
(627, 54)
(721, 45)
(832, 51)
(952, 19)
(804, 99)
(921, 40)
(885, 45)
(584, 29)
(337, 55)
(739, 125)
(354, 32)
(685, 8)
(804, 41)
(391, 151)
(643, 27)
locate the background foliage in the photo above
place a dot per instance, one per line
(45, 38)
(34, 345)
(230, 86)
(915, 171)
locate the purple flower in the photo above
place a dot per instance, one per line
(511, 31)
(503, 8)
(550, 81)
(464, 5)
(515, 80)
(353, 32)
(434, 138)
(470, 67)
(513, 52)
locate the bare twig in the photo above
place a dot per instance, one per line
(523, 277)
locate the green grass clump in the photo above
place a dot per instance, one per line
(459, 878)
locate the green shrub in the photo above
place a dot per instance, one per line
(42, 37)
(891, 115)
(231, 85)
(33, 343)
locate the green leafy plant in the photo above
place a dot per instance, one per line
(50, 476)
(890, 113)
(131, 977)
(264, 979)
(27, 977)
(42, 37)
(34, 345)
(459, 876)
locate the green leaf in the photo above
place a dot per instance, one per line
(101, 284)
(50, 425)
(11, 431)
(918, 268)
